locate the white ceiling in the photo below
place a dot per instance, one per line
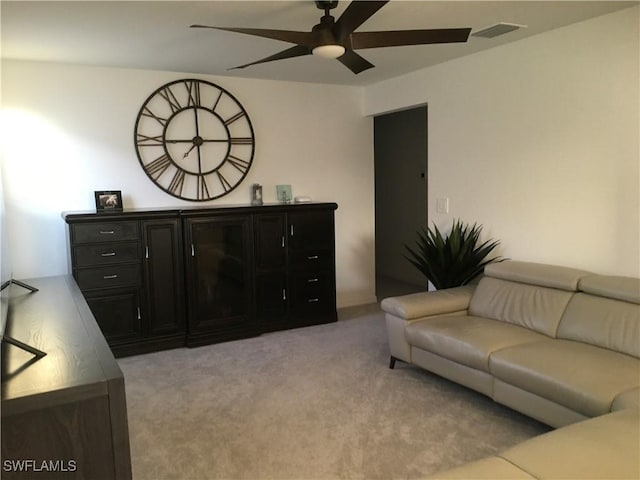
(156, 35)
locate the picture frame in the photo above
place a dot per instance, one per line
(108, 201)
(256, 194)
(283, 193)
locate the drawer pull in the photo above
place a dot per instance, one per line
(107, 232)
(313, 300)
(109, 277)
(108, 254)
(312, 257)
(312, 280)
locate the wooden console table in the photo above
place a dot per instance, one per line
(63, 416)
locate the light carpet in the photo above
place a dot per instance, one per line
(311, 403)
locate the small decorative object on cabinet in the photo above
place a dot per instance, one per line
(166, 278)
(283, 193)
(108, 200)
(256, 194)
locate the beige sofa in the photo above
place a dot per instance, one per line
(558, 344)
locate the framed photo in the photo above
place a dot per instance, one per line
(108, 201)
(283, 193)
(256, 194)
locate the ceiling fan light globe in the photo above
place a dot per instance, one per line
(329, 51)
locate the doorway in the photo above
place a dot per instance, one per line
(400, 158)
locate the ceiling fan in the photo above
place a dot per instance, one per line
(337, 39)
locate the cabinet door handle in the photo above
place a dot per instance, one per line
(107, 232)
(282, 241)
(139, 314)
(284, 294)
(291, 230)
(146, 251)
(193, 251)
(312, 280)
(108, 254)
(108, 277)
(313, 300)
(312, 257)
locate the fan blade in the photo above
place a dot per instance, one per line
(355, 15)
(301, 38)
(297, 51)
(408, 37)
(355, 62)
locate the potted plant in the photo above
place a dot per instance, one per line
(452, 260)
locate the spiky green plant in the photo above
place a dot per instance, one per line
(452, 260)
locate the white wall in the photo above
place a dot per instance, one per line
(68, 130)
(538, 141)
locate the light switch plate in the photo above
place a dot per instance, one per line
(442, 205)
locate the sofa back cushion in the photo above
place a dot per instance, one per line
(605, 314)
(531, 295)
(536, 308)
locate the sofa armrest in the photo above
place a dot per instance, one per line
(401, 311)
(427, 304)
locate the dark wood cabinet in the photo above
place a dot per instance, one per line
(163, 273)
(218, 280)
(165, 278)
(68, 407)
(129, 268)
(295, 274)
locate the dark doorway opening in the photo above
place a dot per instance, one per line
(400, 151)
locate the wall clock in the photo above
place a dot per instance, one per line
(194, 140)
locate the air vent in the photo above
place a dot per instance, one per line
(497, 30)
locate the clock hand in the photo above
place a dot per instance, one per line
(189, 151)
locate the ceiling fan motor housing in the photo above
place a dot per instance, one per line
(326, 5)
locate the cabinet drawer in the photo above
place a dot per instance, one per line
(312, 287)
(104, 232)
(318, 258)
(106, 277)
(106, 254)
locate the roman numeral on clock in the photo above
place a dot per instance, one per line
(171, 99)
(158, 166)
(147, 141)
(193, 90)
(177, 183)
(241, 165)
(230, 120)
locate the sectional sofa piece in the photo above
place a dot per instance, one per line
(558, 344)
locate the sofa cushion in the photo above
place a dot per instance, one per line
(605, 322)
(621, 288)
(606, 447)
(534, 307)
(581, 377)
(628, 399)
(466, 339)
(552, 276)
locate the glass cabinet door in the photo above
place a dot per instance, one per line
(218, 276)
